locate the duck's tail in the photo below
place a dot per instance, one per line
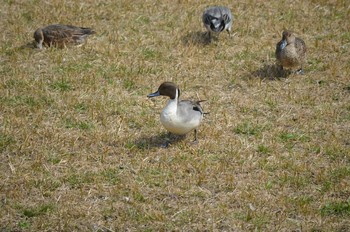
(87, 31)
(198, 103)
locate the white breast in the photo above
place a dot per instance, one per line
(177, 123)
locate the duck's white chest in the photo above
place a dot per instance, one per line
(174, 122)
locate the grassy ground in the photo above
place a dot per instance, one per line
(80, 143)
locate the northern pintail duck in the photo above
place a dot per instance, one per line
(178, 116)
(61, 35)
(291, 52)
(216, 19)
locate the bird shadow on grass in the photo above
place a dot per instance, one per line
(163, 140)
(196, 38)
(23, 48)
(30, 45)
(271, 72)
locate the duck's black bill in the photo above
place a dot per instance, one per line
(155, 94)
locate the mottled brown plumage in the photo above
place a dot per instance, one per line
(291, 52)
(61, 35)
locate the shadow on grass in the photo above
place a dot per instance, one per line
(23, 48)
(271, 72)
(163, 140)
(196, 38)
(30, 45)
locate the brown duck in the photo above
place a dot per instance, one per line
(59, 35)
(291, 52)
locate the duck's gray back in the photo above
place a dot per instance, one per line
(217, 12)
(189, 110)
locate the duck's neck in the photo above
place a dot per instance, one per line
(172, 103)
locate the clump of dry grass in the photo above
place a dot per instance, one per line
(80, 142)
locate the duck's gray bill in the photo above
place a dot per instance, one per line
(283, 44)
(155, 94)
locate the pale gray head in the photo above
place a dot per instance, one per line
(39, 38)
(166, 89)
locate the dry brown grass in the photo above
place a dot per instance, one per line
(80, 142)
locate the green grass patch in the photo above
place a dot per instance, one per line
(262, 149)
(143, 19)
(79, 180)
(112, 175)
(5, 141)
(38, 211)
(129, 84)
(336, 209)
(290, 139)
(335, 176)
(26, 101)
(269, 185)
(340, 173)
(81, 107)
(54, 159)
(295, 180)
(336, 153)
(248, 128)
(24, 224)
(47, 184)
(81, 125)
(302, 201)
(149, 53)
(61, 85)
(20, 101)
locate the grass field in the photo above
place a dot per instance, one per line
(81, 145)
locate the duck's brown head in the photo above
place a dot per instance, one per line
(288, 36)
(166, 89)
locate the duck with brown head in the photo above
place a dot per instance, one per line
(178, 116)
